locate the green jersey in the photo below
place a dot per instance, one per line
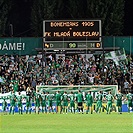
(43, 99)
(28, 101)
(50, 97)
(72, 97)
(4, 103)
(109, 97)
(89, 98)
(99, 97)
(37, 97)
(119, 97)
(19, 99)
(65, 98)
(12, 98)
(58, 97)
(79, 97)
(129, 97)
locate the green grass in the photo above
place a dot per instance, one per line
(67, 123)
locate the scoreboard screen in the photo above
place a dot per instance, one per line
(72, 30)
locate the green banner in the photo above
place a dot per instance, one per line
(19, 46)
(84, 88)
(118, 56)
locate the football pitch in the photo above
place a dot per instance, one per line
(67, 123)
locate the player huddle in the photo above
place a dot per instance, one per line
(74, 102)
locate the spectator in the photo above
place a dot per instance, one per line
(126, 86)
(72, 70)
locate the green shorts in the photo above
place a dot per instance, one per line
(12, 103)
(43, 103)
(99, 104)
(49, 103)
(89, 104)
(65, 103)
(28, 104)
(4, 108)
(129, 104)
(119, 103)
(37, 104)
(19, 104)
(109, 104)
(72, 104)
(58, 103)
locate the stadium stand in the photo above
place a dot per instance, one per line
(20, 72)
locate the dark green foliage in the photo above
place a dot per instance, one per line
(5, 7)
(110, 12)
(29, 14)
(42, 9)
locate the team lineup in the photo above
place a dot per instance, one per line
(65, 102)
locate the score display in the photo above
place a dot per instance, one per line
(72, 45)
(72, 30)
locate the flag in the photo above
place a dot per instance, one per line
(118, 56)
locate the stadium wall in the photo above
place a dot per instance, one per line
(27, 46)
(114, 108)
(19, 46)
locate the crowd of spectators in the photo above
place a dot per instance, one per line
(21, 72)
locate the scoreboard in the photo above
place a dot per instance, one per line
(72, 45)
(72, 30)
(72, 34)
